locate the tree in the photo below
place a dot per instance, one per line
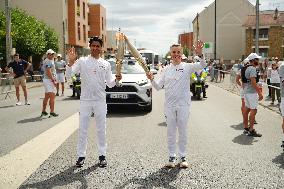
(29, 35)
(186, 51)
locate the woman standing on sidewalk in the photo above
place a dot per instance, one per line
(275, 81)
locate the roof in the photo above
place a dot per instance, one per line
(266, 18)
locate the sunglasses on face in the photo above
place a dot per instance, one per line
(178, 52)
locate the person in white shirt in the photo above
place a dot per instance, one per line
(275, 81)
(60, 69)
(95, 74)
(175, 79)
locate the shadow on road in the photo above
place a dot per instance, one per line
(238, 127)
(279, 160)
(9, 106)
(125, 111)
(244, 140)
(164, 124)
(162, 178)
(64, 178)
(33, 119)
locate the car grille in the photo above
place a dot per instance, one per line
(123, 88)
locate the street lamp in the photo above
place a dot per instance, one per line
(215, 29)
(8, 31)
(257, 27)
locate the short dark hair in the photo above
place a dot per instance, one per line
(96, 38)
(16, 54)
(176, 45)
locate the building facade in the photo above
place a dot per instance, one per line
(97, 22)
(271, 33)
(230, 35)
(186, 40)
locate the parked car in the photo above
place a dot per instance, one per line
(135, 88)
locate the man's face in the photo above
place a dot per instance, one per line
(176, 53)
(96, 48)
(50, 56)
(255, 62)
(17, 58)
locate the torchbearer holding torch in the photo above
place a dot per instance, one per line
(95, 73)
(175, 80)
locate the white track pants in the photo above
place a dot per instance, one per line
(177, 119)
(100, 110)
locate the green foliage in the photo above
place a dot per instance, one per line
(186, 51)
(29, 35)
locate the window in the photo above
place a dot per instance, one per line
(84, 11)
(79, 31)
(263, 52)
(102, 23)
(263, 33)
(84, 33)
(78, 7)
(103, 39)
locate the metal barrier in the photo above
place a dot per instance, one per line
(6, 83)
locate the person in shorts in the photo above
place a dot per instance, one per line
(49, 83)
(20, 68)
(60, 67)
(252, 93)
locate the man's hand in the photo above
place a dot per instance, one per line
(198, 48)
(72, 55)
(260, 96)
(118, 77)
(150, 76)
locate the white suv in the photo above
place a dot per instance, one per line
(135, 88)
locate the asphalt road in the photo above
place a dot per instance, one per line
(220, 156)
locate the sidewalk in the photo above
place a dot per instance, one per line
(232, 87)
(30, 85)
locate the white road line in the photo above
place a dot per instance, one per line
(20, 163)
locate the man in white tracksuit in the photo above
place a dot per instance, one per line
(95, 74)
(175, 80)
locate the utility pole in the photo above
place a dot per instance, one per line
(8, 31)
(257, 27)
(215, 30)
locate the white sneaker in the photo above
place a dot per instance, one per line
(183, 163)
(171, 163)
(18, 103)
(27, 103)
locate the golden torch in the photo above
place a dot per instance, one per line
(137, 55)
(119, 55)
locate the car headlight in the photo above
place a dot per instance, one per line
(143, 82)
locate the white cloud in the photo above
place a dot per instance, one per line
(156, 24)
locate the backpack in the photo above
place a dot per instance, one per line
(244, 79)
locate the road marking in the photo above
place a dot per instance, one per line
(20, 163)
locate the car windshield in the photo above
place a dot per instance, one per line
(128, 67)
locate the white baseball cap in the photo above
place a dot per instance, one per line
(59, 55)
(246, 60)
(253, 56)
(196, 58)
(50, 51)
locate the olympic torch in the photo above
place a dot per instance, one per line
(119, 55)
(137, 55)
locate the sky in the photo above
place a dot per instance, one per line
(155, 24)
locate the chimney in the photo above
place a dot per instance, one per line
(276, 14)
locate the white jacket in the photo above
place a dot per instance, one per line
(95, 75)
(175, 79)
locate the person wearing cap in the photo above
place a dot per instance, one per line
(252, 93)
(60, 67)
(95, 74)
(20, 68)
(49, 83)
(175, 80)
